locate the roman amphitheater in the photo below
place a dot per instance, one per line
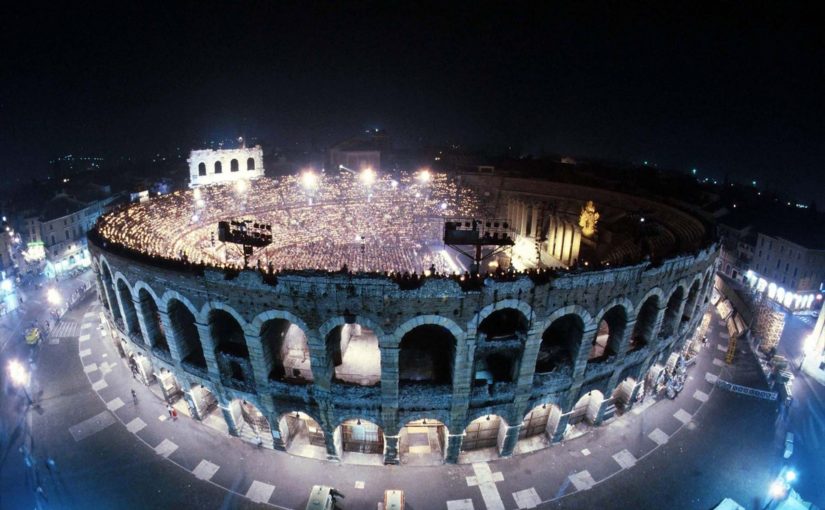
(356, 335)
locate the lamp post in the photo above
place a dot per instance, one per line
(19, 377)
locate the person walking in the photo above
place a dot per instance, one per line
(174, 414)
(170, 411)
(134, 396)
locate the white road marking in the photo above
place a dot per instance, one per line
(582, 480)
(85, 352)
(683, 416)
(83, 338)
(701, 396)
(460, 504)
(115, 404)
(135, 425)
(528, 498)
(359, 484)
(165, 448)
(718, 362)
(711, 378)
(722, 348)
(625, 459)
(91, 426)
(585, 452)
(205, 470)
(86, 325)
(487, 484)
(658, 437)
(260, 492)
(99, 385)
(90, 368)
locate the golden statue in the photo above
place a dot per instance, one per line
(588, 219)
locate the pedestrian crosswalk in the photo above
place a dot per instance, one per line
(64, 329)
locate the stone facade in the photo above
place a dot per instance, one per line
(660, 307)
(210, 166)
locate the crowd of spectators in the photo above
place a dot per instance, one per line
(392, 224)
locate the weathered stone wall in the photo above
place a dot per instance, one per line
(319, 303)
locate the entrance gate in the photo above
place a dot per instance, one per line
(481, 433)
(535, 423)
(361, 437)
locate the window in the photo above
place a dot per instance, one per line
(787, 265)
(777, 264)
(218, 167)
(201, 168)
(250, 164)
(233, 165)
(795, 271)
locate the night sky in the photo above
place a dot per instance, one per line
(727, 87)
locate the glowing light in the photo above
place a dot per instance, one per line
(777, 489)
(588, 219)
(200, 203)
(790, 475)
(18, 373)
(394, 183)
(6, 285)
(309, 180)
(53, 296)
(368, 176)
(424, 176)
(241, 186)
(197, 194)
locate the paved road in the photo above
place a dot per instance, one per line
(715, 444)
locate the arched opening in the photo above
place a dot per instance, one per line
(624, 394)
(302, 435)
(205, 407)
(586, 409)
(504, 324)
(171, 390)
(151, 319)
(218, 167)
(129, 312)
(537, 428)
(609, 336)
(109, 291)
(186, 334)
(360, 442)
(496, 367)
(422, 443)
(230, 348)
(645, 323)
(201, 169)
(286, 351)
(484, 432)
(233, 165)
(671, 319)
(560, 344)
(690, 304)
(426, 355)
(141, 367)
(250, 164)
(250, 423)
(355, 355)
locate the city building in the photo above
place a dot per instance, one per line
(359, 153)
(68, 166)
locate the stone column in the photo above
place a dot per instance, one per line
(227, 416)
(171, 336)
(208, 346)
(580, 363)
(534, 227)
(274, 429)
(320, 363)
(462, 379)
(510, 440)
(260, 369)
(624, 343)
(558, 434)
(144, 329)
(606, 402)
(633, 395)
(193, 409)
(454, 442)
(391, 449)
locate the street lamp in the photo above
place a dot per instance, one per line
(368, 176)
(19, 376)
(309, 180)
(53, 296)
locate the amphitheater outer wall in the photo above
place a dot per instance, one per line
(317, 303)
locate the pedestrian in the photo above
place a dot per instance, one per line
(51, 465)
(134, 396)
(170, 410)
(174, 414)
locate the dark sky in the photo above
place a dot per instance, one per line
(727, 87)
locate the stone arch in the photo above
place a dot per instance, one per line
(233, 165)
(646, 315)
(420, 320)
(148, 307)
(109, 288)
(123, 290)
(611, 323)
(692, 297)
(201, 169)
(353, 349)
(540, 420)
(184, 329)
(516, 304)
(561, 341)
(284, 346)
(485, 431)
(442, 415)
(587, 407)
(228, 338)
(302, 433)
(359, 435)
(250, 164)
(254, 327)
(426, 354)
(673, 312)
(211, 306)
(218, 167)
